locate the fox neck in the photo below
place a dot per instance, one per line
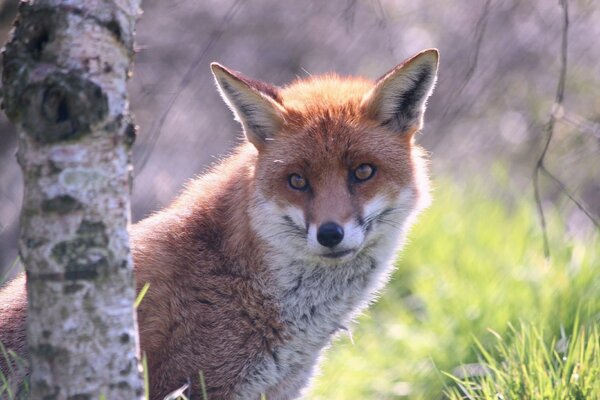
(323, 299)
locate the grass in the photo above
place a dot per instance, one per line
(10, 390)
(475, 311)
(527, 366)
(474, 264)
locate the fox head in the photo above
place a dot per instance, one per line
(336, 170)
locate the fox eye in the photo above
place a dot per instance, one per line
(363, 172)
(297, 182)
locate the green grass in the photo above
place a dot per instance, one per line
(528, 366)
(9, 390)
(473, 264)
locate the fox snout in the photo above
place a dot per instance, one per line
(330, 234)
(337, 241)
(333, 239)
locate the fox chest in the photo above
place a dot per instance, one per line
(316, 303)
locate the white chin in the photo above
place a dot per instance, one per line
(338, 255)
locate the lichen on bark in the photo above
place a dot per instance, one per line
(64, 87)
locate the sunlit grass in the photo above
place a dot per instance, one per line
(16, 264)
(473, 264)
(528, 366)
(16, 365)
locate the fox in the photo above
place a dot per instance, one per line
(259, 263)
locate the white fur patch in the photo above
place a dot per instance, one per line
(296, 214)
(375, 205)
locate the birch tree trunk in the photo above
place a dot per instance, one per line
(64, 84)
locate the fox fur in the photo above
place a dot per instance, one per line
(242, 287)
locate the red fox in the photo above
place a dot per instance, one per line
(260, 262)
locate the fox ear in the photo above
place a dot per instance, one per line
(398, 99)
(255, 104)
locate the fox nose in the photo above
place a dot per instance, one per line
(330, 234)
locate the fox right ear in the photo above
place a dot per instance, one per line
(254, 104)
(398, 99)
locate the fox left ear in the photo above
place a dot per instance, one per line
(255, 104)
(398, 99)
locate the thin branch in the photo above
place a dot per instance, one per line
(480, 29)
(383, 23)
(560, 92)
(540, 210)
(579, 123)
(8, 11)
(570, 195)
(156, 130)
(349, 13)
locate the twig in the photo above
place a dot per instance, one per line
(560, 92)
(579, 123)
(349, 13)
(383, 23)
(480, 29)
(571, 197)
(156, 131)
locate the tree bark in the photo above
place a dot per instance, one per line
(64, 84)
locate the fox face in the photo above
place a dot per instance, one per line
(337, 170)
(330, 189)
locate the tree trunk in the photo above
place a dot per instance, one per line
(64, 83)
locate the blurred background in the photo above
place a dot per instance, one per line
(486, 127)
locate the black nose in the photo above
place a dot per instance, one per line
(330, 234)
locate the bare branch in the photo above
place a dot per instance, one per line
(571, 197)
(156, 129)
(578, 122)
(383, 23)
(560, 91)
(540, 210)
(349, 13)
(480, 29)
